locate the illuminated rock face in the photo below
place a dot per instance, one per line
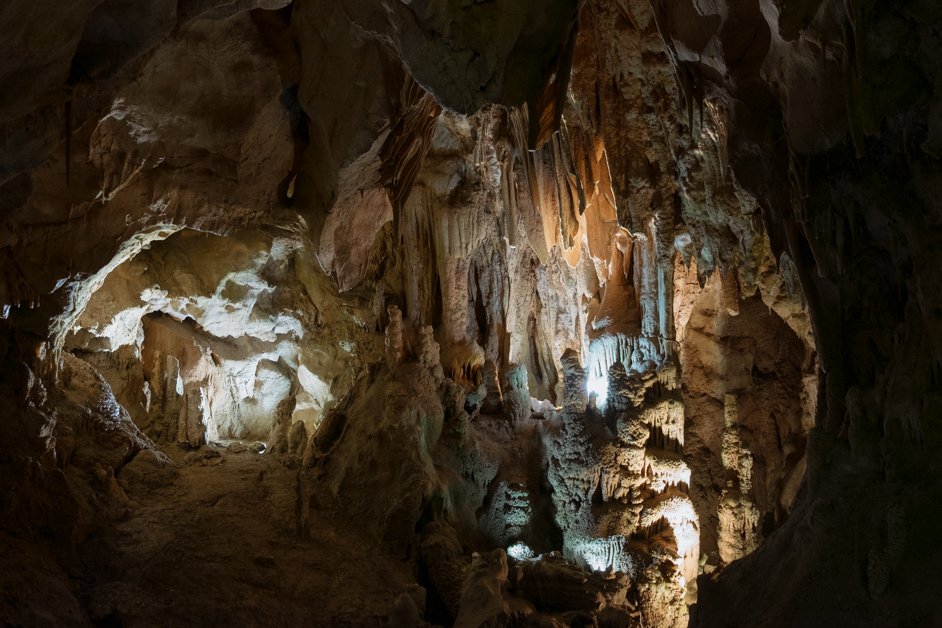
(202, 337)
(631, 287)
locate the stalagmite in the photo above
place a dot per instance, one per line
(633, 436)
(517, 400)
(493, 399)
(395, 348)
(737, 514)
(730, 293)
(429, 353)
(279, 441)
(297, 439)
(574, 391)
(571, 470)
(191, 430)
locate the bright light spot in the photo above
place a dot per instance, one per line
(519, 551)
(680, 515)
(596, 562)
(604, 554)
(598, 385)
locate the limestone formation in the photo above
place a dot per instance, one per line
(517, 400)
(395, 346)
(493, 398)
(279, 439)
(429, 353)
(557, 312)
(297, 439)
(738, 516)
(191, 430)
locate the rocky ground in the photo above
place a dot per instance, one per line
(219, 545)
(216, 544)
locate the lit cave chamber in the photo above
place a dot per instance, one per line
(507, 313)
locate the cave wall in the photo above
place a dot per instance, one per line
(223, 329)
(742, 377)
(776, 154)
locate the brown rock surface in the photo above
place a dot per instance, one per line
(504, 312)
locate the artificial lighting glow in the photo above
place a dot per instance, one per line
(604, 554)
(598, 386)
(520, 551)
(680, 515)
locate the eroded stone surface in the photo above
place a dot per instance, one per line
(652, 293)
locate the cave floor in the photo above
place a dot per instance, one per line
(219, 546)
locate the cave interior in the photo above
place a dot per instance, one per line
(494, 313)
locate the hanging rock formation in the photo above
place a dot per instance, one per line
(609, 312)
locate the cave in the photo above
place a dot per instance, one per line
(495, 313)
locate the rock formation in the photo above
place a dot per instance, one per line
(610, 312)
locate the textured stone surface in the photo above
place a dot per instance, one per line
(651, 285)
